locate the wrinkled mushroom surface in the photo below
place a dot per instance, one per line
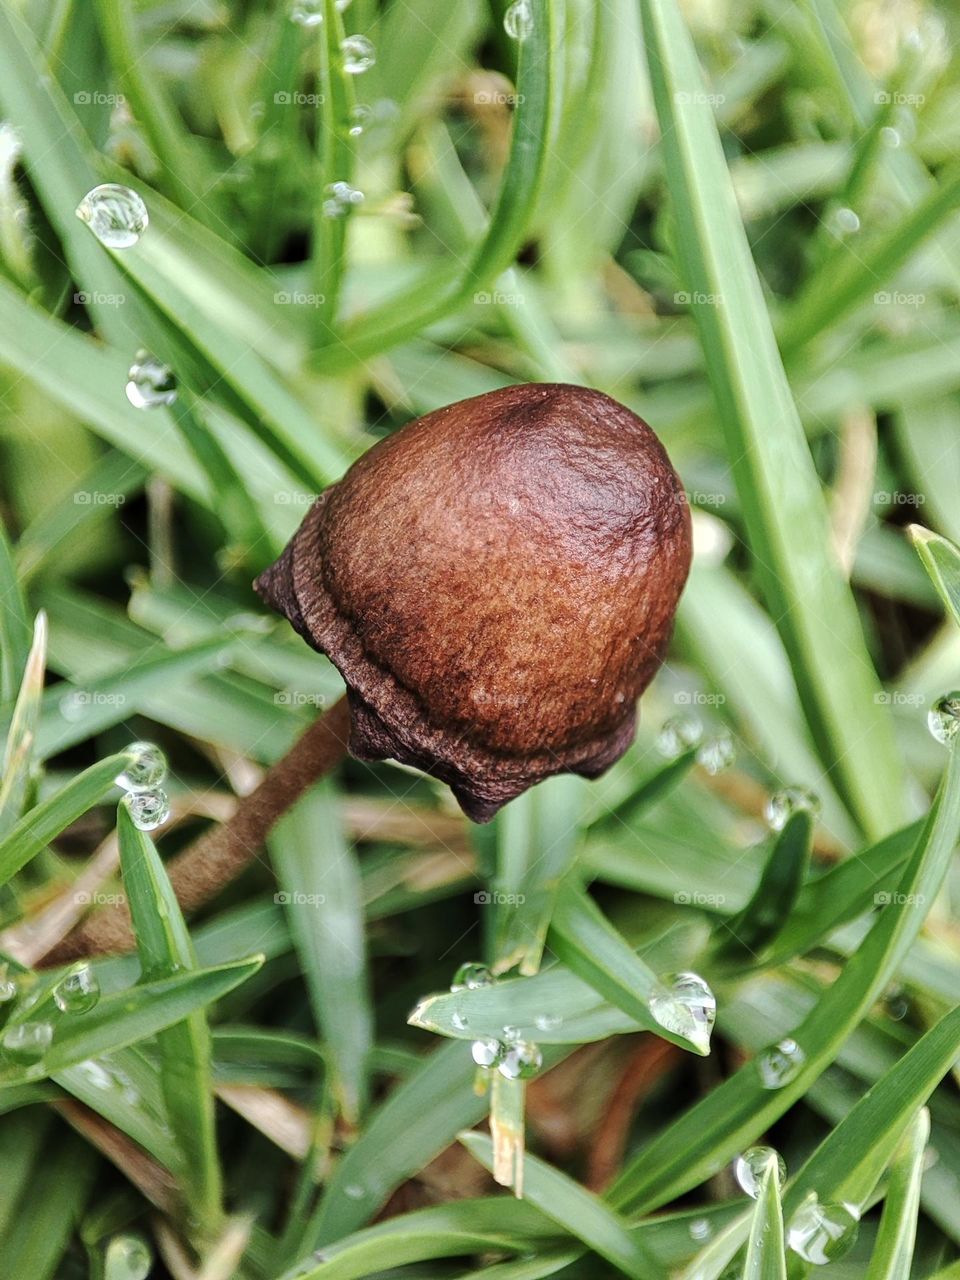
(496, 582)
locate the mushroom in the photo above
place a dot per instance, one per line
(496, 583)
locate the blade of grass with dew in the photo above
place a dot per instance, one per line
(771, 907)
(742, 1108)
(128, 1016)
(18, 750)
(409, 313)
(14, 623)
(780, 494)
(589, 945)
(164, 948)
(766, 1259)
(941, 559)
(893, 1251)
(537, 837)
(41, 824)
(573, 1209)
(336, 166)
(320, 880)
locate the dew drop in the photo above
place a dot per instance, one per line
(518, 20)
(148, 809)
(339, 198)
(943, 718)
(146, 770)
(547, 1021)
(678, 734)
(116, 215)
(78, 991)
(458, 1021)
(471, 976)
(487, 1052)
(685, 1005)
(780, 1064)
(890, 137)
(783, 804)
(8, 988)
(359, 119)
(521, 1060)
(150, 383)
(749, 1169)
(843, 221)
(354, 1191)
(128, 1257)
(27, 1041)
(358, 55)
(307, 13)
(822, 1233)
(717, 754)
(700, 1229)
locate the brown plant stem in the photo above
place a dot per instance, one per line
(220, 854)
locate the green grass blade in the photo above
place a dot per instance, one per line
(320, 889)
(41, 824)
(779, 490)
(766, 1259)
(589, 945)
(165, 948)
(14, 624)
(52, 1203)
(18, 751)
(771, 907)
(893, 1252)
(738, 1111)
(573, 1209)
(941, 559)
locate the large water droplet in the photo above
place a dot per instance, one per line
(148, 809)
(749, 1169)
(943, 718)
(783, 804)
(358, 55)
(822, 1233)
(27, 1041)
(146, 770)
(780, 1064)
(78, 991)
(717, 754)
(307, 13)
(116, 215)
(678, 734)
(471, 976)
(487, 1052)
(843, 221)
(685, 1005)
(150, 382)
(128, 1257)
(518, 20)
(339, 198)
(521, 1060)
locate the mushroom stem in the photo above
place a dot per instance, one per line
(220, 854)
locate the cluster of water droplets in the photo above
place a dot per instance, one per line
(29, 1034)
(309, 13)
(518, 20)
(783, 804)
(682, 733)
(151, 384)
(684, 1004)
(509, 1053)
(145, 800)
(823, 1233)
(339, 198)
(116, 215)
(943, 718)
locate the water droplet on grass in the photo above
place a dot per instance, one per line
(339, 198)
(678, 734)
(843, 221)
(147, 769)
(307, 13)
(518, 20)
(822, 1233)
(148, 809)
(749, 1169)
(471, 976)
(700, 1229)
(521, 1060)
(685, 1005)
(150, 383)
(780, 1064)
(943, 718)
(783, 804)
(27, 1041)
(717, 754)
(116, 215)
(128, 1257)
(487, 1052)
(359, 55)
(78, 991)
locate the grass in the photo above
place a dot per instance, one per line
(744, 226)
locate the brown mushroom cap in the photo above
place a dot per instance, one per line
(496, 583)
